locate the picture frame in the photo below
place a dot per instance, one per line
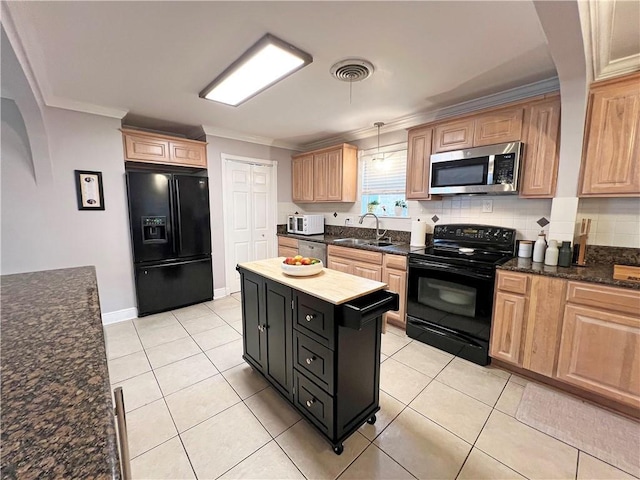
(89, 190)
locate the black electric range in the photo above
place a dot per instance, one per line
(450, 288)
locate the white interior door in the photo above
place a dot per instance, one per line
(250, 211)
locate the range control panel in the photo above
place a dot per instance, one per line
(479, 233)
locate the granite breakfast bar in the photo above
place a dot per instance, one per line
(317, 341)
(57, 416)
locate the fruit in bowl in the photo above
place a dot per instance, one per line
(300, 266)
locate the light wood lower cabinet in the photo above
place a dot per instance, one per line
(388, 268)
(583, 334)
(287, 247)
(394, 274)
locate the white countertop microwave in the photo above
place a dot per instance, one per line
(305, 224)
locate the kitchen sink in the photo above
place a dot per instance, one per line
(365, 241)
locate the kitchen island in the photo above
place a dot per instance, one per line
(57, 412)
(316, 340)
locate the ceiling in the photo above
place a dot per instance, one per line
(151, 59)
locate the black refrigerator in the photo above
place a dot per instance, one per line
(171, 238)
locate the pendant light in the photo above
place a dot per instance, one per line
(378, 157)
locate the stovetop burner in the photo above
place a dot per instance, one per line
(471, 244)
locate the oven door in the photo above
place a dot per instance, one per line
(450, 307)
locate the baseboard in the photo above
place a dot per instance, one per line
(219, 293)
(119, 316)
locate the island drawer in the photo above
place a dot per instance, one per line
(314, 318)
(313, 403)
(314, 360)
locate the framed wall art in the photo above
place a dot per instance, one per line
(89, 190)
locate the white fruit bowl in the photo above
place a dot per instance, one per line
(302, 270)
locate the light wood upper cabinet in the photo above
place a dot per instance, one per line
(153, 148)
(541, 151)
(498, 127)
(327, 175)
(302, 171)
(611, 155)
(456, 135)
(418, 163)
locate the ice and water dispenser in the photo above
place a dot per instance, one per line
(154, 229)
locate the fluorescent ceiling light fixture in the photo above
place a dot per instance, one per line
(268, 61)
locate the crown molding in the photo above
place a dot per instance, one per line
(512, 95)
(244, 137)
(85, 107)
(601, 31)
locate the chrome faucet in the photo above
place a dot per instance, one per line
(378, 234)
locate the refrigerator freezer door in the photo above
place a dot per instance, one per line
(150, 216)
(193, 222)
(173, 285)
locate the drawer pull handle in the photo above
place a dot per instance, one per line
(309, 360)
(311, 402)
(309, 317)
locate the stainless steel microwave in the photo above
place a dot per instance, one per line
(493, 169)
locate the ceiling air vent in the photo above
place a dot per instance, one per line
(352, 70)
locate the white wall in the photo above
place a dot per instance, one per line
(217, 146)
(42, 227)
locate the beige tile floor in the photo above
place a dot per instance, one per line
(196, 410)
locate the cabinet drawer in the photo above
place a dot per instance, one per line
(314, 318)
(314, 360)
(288, 242)
(399, 262)
(314, 403)
(512, 282)
(355, 254)
(287, 251)
(609, 298)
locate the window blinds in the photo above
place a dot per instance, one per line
(384, 176)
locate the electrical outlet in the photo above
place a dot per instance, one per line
(348, 221)
(487, 206)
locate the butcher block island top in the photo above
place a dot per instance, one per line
(329, 285)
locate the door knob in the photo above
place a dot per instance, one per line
(261, 328)
(311, 402)
(309, 360)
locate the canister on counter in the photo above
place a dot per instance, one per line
(564, 257)
(525, 249)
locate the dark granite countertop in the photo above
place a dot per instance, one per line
(594, 273)
(57, 416)
(402, 249)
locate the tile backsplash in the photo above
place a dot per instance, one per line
(615, 222)
(507, 211)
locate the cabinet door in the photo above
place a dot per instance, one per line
(287, 251)
(149, 149)
(498, 127)
(254, 344)
(372, 272)
(540, 162)
(340, 264)
(278, 335)
(302, 179)
(610, 163)
(334, 175)
(320, 177)
(397, 281)
(456, 135)
(188, 154)
(600, 352)
(418, 158)
(544, 323)
(507, 328)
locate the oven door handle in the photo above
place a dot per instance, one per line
(446, 332)
(421, 264)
